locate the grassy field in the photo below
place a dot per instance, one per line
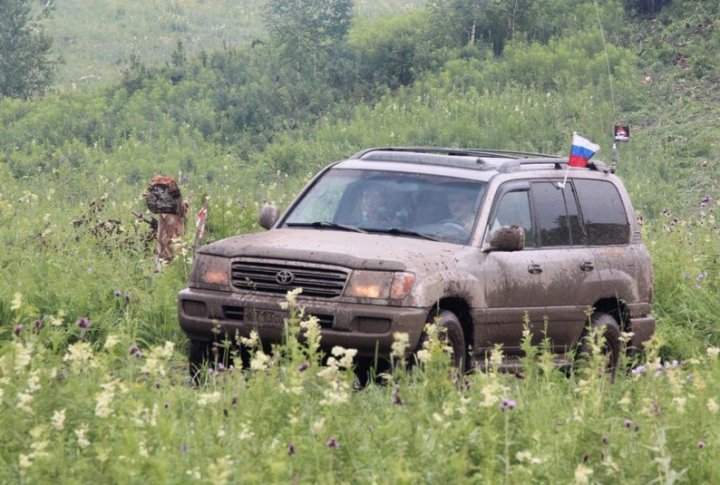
(96, 39)
(93, 379)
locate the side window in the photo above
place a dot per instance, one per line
(603, 211)
(514, 209)
(558, 219)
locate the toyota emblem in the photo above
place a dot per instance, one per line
(284, 277)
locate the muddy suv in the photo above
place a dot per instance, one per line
(477, 240)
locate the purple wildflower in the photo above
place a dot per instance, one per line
(291, 449)
(117, 293)
(303, 367)
(135, 351)
(38, 325)
(127, 298)
(507, 403)
(628, 423)
(705, 200)
(701, 444)
(18, 329)
(332, 443)
(184, 448)
(83, 322)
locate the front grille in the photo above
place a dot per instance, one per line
(281, 277)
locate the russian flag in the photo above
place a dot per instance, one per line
(581, 151)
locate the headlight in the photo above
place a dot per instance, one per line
(380, 284)
(211, 272)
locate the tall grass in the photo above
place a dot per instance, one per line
(105, 408)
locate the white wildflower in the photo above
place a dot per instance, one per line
(111, 341)
(496, 356)
(245, 432)
(712, 406)
(58, 420)
(338, 392)
(208, 398)
(312, 331)
(291, 298)
(23, 355)
(24, 400)
(679, 403)
(79, 355)
(259, 361)
(34, 381)
(80, 433)
(527, 457)
(25, 461)
(251, 342)
(16, 302)
(491, 393)
(142, 449)
(219, 472)
(318, 427)
(713, 352)
(424, 356)
(56, 320)
(582, 474)
(104, 400)
(345, 356)
(401, 342)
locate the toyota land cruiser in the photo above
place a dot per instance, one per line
(478, 240)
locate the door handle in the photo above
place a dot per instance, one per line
(587, 266)
(534, 269)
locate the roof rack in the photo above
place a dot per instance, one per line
(503, 161)
(461, 152)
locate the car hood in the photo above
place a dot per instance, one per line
(348, 249)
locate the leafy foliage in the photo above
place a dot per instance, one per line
(89, 341)
(26, 67)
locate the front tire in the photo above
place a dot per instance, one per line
(199, 357)
(451, 334)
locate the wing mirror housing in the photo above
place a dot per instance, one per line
(507, 239)
(268, 216)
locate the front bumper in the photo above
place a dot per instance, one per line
(207, 315)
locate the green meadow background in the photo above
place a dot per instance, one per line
(244, 105)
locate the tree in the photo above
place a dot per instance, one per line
(493, 22)
(308, 31)
(26, 68)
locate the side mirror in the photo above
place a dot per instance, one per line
(268, 216)
(507, 239)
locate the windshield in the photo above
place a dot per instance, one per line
(398, 203)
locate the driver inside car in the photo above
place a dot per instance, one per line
(375, 210)
(460, 205)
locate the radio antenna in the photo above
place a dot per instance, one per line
(607, 57)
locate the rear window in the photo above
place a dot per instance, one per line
(603, 212)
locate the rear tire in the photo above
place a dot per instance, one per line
(611, 345)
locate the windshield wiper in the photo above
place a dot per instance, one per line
(325, 225)
(396, 231)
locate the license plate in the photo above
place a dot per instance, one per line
(271, 318)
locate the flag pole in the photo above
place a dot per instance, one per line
(567, 168)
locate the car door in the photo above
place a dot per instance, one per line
(570, 278)
(513, 280)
